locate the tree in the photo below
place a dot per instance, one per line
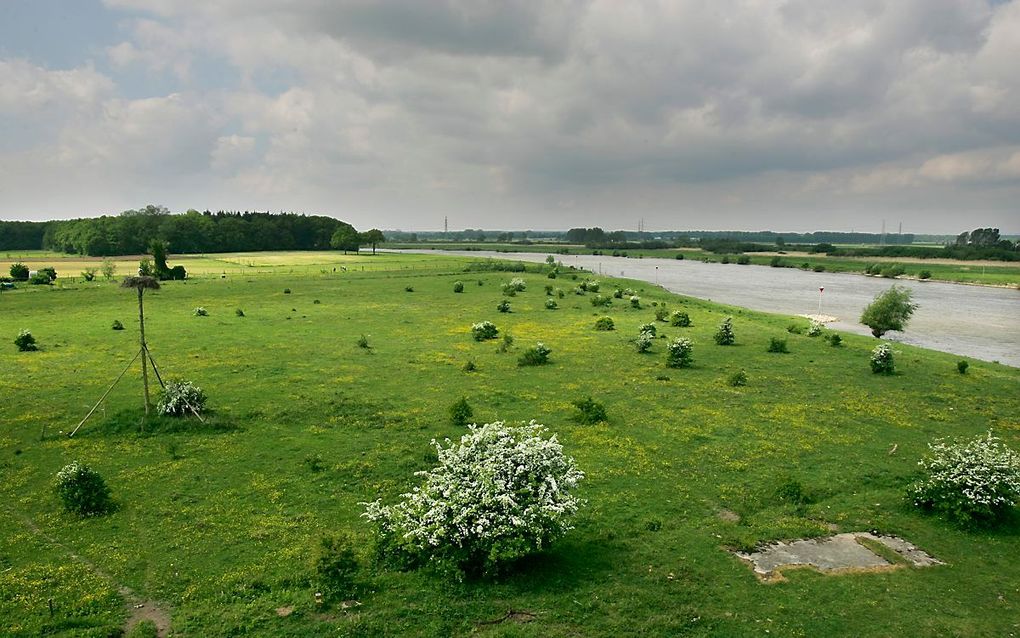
(345, 238)
(889, 311)
(373, 237)
(109, 268)
(19, 272)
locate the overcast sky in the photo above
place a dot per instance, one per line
(719, 114)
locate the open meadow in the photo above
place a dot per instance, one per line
(220, 521)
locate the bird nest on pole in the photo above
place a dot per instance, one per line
(140, 282)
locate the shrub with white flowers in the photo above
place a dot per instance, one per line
(501, 493)
(25, 341)
(516, 285)
(536, 355)
(647, 327)
(882, 359)
(970, 482)
(815, 328)
(635, 301)
(643, 343)
(679, 353)
(550, 304)
(484, 330)
(680, 319)
(181, 398)
(82, 490)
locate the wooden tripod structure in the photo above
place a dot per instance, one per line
(139, 283)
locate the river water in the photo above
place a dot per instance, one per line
(975, 321)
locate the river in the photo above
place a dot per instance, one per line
(974, 321)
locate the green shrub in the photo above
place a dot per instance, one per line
(647, 327)
(924, 274)
(461, 412)
(181, 398)
(548, 290)
(737, 379)
(40, 279)
(200, 312)
(408, 288)
(49, 271)
(503, 306)
(882, 359)
(19, 272)
(643, 343)
(458, 286)
(680, 353)
(117, 325)
(506, 343)
(743, 260)
(604, 324)
(363, 343)
(286, 291)
(971, 482)
(818, 268)
(82, 490)
(618, 293)
(795, 329)
(560, 293)
(679, 257)
(88, 274)
(777, 345)
(661, 313)
(834, 339)
(239, 312)
(590, 411)
(635, 301)
(336, 567)
(889, 311)
(777, 262)
(470, 366)
(680, 319)
(536, 355)
(484, 330)
(724, 334)
(892, 271)
(550, 304)
(725, 259)
(815, 328)
(601, 301)
(961, 366)
(25, 341)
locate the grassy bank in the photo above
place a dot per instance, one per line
(220, 521)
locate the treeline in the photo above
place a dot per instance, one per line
(596, 237)
(22, 235)
(133, 231)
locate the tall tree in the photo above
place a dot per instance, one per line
(373, 237)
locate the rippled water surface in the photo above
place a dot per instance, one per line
(975, 321)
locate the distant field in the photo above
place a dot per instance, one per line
(220, 521)
(992, 273)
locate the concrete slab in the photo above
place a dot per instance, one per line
(833, 554)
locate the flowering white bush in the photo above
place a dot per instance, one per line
(635, 301)
(179, 398)
(484, 330)
(680, 318)
(647, 327)
(516, 285)
(550, 304)
(680, 353)
(815, 328)
(82, 490)
(500, 494)
(882, 359)
(969, 482)
(643, 343)
(537, 355)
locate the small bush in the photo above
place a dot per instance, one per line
(647, 327)
(88, 274)
(363, 343)
(635, 301)
(924, 274)
(560, 294)
(514, 286)
(618, 293)
(82, 490)
(961, 366)
(484, 330)
(724, 334)
(679, 257)
(795, 329)
(25, 341)
(579, 291)
(737, 379)
(40, 279)
(777, 345)
(180, 398)
(601, 301)
(661, 313)
(506, 343)
(680, 319)
(882, 359)
(643, 343)
(548, 290)
(818, 268)
(679, 353)
(892, 271)
(743, 260)
(458, 286)
(590, 411)
(777, 262)
(536, 355)
(19, 272)
(973, 482)
(605, 324)
(461, 412)
(815, 328)
(117, 325)
(49, 271)
(336, 567)
(834, 339)
(316, 302)
(469, 366)
(200, 312)
(408, 288)
(239, 312)
(286, 291)
(550, 304)
(503, 306)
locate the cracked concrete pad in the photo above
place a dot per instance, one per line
(835, 553)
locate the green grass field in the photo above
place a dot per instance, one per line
(220, 521)
(989, 273)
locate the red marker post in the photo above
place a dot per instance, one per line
(820, 291)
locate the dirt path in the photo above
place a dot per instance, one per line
(138, 609)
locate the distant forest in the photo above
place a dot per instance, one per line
(132, 232)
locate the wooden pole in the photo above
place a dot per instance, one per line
(145, 367)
